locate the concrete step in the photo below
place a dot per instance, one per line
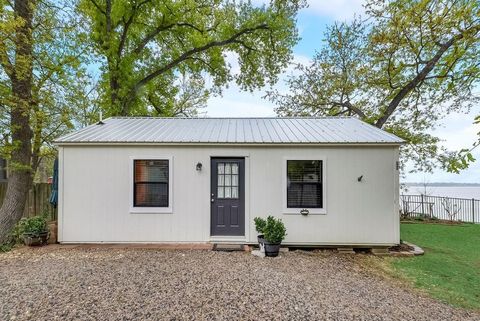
(228, 247)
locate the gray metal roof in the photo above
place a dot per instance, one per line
(326, 130)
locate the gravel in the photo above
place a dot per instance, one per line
(136, 284)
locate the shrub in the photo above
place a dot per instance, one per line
(259, 224)
(5, 247)
(31, 225)
(274, 230)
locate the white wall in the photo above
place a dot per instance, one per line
(95, 194)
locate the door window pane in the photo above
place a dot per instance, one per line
(220, 192)
(228, 192)
(221, 180)
(235, 192)
(227, 180)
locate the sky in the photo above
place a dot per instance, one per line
(457, 131)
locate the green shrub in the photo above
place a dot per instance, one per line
(260, 224)
(274, 230)
(30, 225)
(5, 247)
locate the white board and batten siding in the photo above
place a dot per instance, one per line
(95, 186)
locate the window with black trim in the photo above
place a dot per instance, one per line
(150, 183)
(304, 184)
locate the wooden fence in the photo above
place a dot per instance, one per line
(37, 201)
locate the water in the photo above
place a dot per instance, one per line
(446, 191)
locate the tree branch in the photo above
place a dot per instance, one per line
(184, 57)
(420, 76)
(5, 62)
(98, 7)
(143, 43)
(350, 107)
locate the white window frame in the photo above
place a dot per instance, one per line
(151, 210)
(311, 211)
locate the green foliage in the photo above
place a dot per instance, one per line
(449, 268)
(403, 69)
(260, 224)
(146, 47)
(274, 230)
(5, 247)
(60, 87)
(31, 225)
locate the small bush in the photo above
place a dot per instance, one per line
(5, 247)
(259, 224)
(274, 230)
(31, 225)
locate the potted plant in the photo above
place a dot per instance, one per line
(33, 230)
(259, 226)
(274, 233)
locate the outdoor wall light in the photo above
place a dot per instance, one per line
(199, 166)
(360, 178)
(304, 212)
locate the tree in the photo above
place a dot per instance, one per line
(145, 46)
(404, 68)
(40, 62)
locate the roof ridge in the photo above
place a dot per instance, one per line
(267, 117)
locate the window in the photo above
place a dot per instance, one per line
(227, 175)
(305, 184)
(151, 183)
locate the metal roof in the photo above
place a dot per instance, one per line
(326, 130)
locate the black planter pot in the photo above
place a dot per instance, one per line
(272, 249)
(260, 239)
(35, 239)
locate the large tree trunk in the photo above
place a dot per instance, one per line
(20, 178)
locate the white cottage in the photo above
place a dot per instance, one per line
(333, 181)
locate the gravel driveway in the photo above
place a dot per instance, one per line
(135, 284)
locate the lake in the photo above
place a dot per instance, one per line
(447, 191)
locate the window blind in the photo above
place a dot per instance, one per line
(304, 184)
(151, 183)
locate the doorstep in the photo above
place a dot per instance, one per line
(228, 239)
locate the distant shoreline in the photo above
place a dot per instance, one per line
(446, 184)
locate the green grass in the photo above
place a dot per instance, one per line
(450, 268)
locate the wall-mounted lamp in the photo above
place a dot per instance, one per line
(360, 178)
(199, 166)
(304, 212)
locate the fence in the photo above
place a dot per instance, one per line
(444, 208)
(37, 200)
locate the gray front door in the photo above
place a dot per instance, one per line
(228, 196)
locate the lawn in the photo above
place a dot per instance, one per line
(450, 268)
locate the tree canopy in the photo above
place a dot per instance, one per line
(146, 45)
(41, 54)
(402, 68)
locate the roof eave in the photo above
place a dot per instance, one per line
(64, 143)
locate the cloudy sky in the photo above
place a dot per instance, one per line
(457, 131)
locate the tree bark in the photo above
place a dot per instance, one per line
(20, 178)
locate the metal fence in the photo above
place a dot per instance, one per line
(438, 207)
